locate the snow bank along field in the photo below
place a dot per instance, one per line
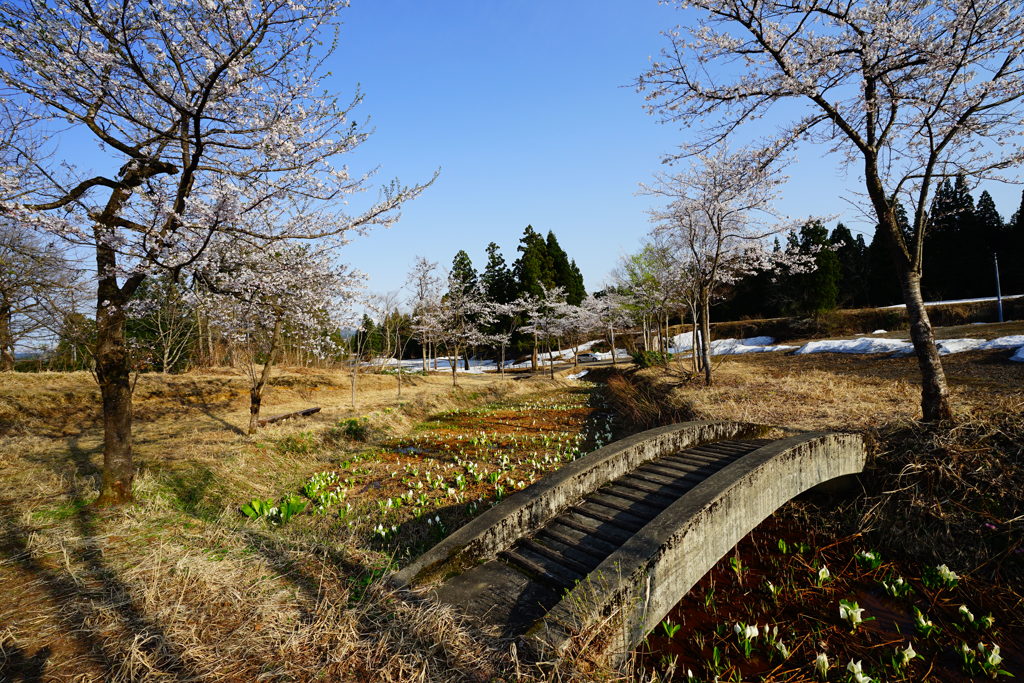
(682, 344)
(857, 345)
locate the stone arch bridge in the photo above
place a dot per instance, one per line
(613, 540)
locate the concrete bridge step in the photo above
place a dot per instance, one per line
(622, 491)
(537, 565)
(645, 511)
(622, 520)
(603, 531)
(587, 542)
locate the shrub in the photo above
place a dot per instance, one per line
(356, 429)
(648, 359)
(297, 444)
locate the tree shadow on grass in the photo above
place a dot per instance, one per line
(17, 665)
(88, 598)
(198, 400)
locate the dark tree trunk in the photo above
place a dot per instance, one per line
(705, 341)
(6, 342)
(935, 403)
(114, 376)
(256, 391)
(908, 255)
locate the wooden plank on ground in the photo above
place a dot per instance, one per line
(306, 412)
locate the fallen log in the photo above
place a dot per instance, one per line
(306, 412)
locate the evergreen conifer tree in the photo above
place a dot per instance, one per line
(566, 274)
(853, 266)
(884, 287)
(940, 263)
(575, 289)
(497, 282)
(464, 273)
(1011, 258)
(817, 290)
(988, 225)
(533, 269)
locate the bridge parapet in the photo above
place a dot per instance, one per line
(634, 588)
(526, 511)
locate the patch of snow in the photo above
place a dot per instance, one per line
(578, 374)
(960, 301)
(735, 347)
(948, 346)
(902, 347)
(1018, 357)
(858, 345)
(729, 347)
(1010, 342)
(879, 332)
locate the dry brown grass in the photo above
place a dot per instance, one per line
(180, 586)
(837, 391)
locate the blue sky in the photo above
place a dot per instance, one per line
(527, 110)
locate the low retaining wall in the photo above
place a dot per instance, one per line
(635, 587)
(526, 511)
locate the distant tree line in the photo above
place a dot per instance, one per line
(542, 266)
(964, 239)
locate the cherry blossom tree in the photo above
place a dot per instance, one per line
(904, 92)
(37, 290)
(611, 311)
(459, 321)
(546, 313)
(210, 121)
(508, 318)
(257, 297)
(424, 285)
(718, 214)
(579, 324)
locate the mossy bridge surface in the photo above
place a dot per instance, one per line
(610, 543)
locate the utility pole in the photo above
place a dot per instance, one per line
(999, 294)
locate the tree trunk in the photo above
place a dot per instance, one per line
(256, 392)
(935, 403)
(114, 377)
(693, 344)
(614, 360)
(354, 370)
(551, 361)
(533, 358)
(399, 352)
(6, 342)
(705, 342)
(453, 361)
(909, 257)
